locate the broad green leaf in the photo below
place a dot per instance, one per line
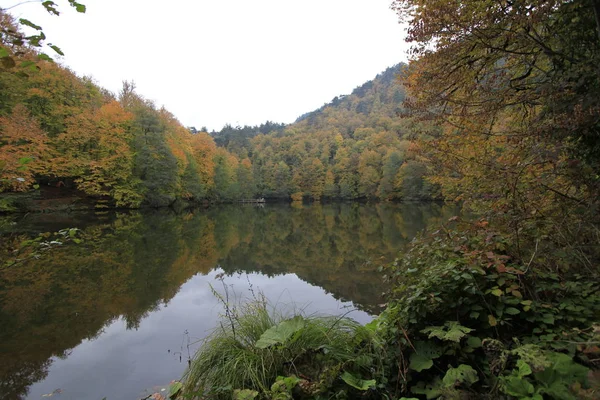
(524, 368)
(562, 367)
(497, 292)
(463, 374)
(420, 362)
(512, 311)
(451, 331)
(492, 320)
(358, 383)
(423, 356)
(280, 333)
(517, 387)
(3, 52)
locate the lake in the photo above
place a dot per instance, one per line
(119, 314)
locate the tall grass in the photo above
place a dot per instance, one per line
(230, 359)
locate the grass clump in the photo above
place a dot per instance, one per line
(258, 352)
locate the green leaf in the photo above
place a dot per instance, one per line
(517, 387)
(285, 384)
(45, 57)
(420, 362)
(30, 24)
(423, 356)
(463, 374)
(50, 7)
(474, 342)
(497, 292)
(78, 6)
(492, 320)
(358, 383)
(451, 331)
(548, 319)
(512, 311)
(562, 367)
(524, 368)
(280, 333)
(56, 49)
(245, 394)
(3, 52)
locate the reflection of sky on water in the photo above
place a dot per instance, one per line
(121, 363)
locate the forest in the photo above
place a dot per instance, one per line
(63, 135)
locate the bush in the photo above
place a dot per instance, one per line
(466, 319)
(266, 354)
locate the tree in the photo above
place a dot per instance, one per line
(516, 87)
(392, 164)
(23, 150)
(245, 177)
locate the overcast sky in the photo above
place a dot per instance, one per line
(212, 62)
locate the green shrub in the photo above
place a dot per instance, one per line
(466, 318)
(265, 354)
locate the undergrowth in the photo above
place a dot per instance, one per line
(468, 320)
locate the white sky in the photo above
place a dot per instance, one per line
(212, 62)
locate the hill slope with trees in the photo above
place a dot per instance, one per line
(358, 146)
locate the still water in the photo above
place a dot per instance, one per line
(119, 314)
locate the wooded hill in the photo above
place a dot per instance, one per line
(58, 130)
(356, 146)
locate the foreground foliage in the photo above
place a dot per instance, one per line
(468, 319)
(257, 353)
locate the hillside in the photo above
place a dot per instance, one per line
(358, 146)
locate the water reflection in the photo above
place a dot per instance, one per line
(107, 317)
